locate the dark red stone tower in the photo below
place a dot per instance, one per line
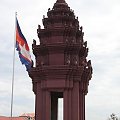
(61, 69)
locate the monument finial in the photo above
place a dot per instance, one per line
(61, 1)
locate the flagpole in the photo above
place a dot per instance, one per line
(13, 70)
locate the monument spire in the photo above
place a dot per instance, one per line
(61, 1)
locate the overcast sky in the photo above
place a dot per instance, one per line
(101, 23)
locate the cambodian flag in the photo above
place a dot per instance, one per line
(22, 47)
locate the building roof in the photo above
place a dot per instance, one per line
(28, 115)
(24, 116)
(13, 118)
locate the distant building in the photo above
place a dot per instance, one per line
(25, 116)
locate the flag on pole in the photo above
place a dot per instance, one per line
(22, 47)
